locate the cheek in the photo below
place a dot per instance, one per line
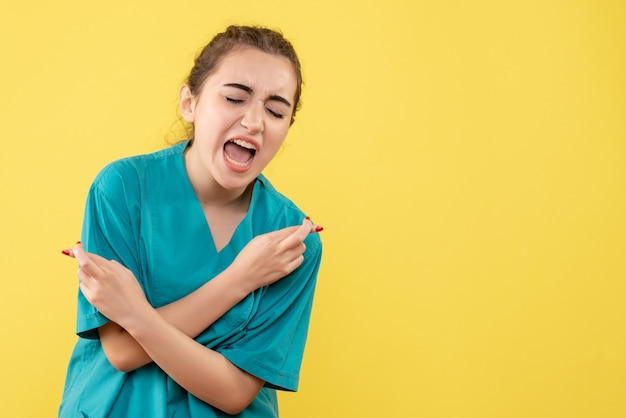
(277, 132)
(215, 123)
(274, 143)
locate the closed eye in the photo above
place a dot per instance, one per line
(235, 101)
(276, 114)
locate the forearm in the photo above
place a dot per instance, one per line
(265, 259)
(205, 373)
(190, 315)
(198, 310)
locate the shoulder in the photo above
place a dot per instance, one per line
(129, 173)
(274, 199)
(280, 211)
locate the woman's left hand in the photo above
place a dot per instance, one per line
(109, 286)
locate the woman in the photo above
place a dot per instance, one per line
(196, 275)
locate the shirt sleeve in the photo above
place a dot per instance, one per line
(109, 230)
(273, 342)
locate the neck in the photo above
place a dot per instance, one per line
(210, 192)
(220, 197)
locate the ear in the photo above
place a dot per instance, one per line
(187, 104)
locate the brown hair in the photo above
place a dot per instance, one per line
(265, 39)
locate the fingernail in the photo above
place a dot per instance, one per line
(66, 252)
(319, 228)
(308, 218)
(78, 242)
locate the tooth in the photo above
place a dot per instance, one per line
(244, 144)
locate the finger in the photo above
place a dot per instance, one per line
(87, 261)
(300, 233)
(295, 263)
(314, 228)
(85, 290)
(100, 261)
(68, 252)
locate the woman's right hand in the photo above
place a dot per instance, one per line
(271, 256)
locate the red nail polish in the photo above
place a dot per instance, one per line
(78, 242)
(308, 218)
(319, 228)
(66, 252)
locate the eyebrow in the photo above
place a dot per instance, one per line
(248, 90)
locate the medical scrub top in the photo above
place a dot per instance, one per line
(143, 212)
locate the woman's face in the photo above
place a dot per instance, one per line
(241, 116)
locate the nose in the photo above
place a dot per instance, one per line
(252, 118)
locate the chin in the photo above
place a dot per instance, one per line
(238, 183)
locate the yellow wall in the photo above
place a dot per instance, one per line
(467, 159)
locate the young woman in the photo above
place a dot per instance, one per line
(196, 275)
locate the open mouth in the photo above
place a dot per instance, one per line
(239, 152)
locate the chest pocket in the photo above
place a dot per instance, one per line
(230, 326)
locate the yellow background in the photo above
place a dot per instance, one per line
(467, 159)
